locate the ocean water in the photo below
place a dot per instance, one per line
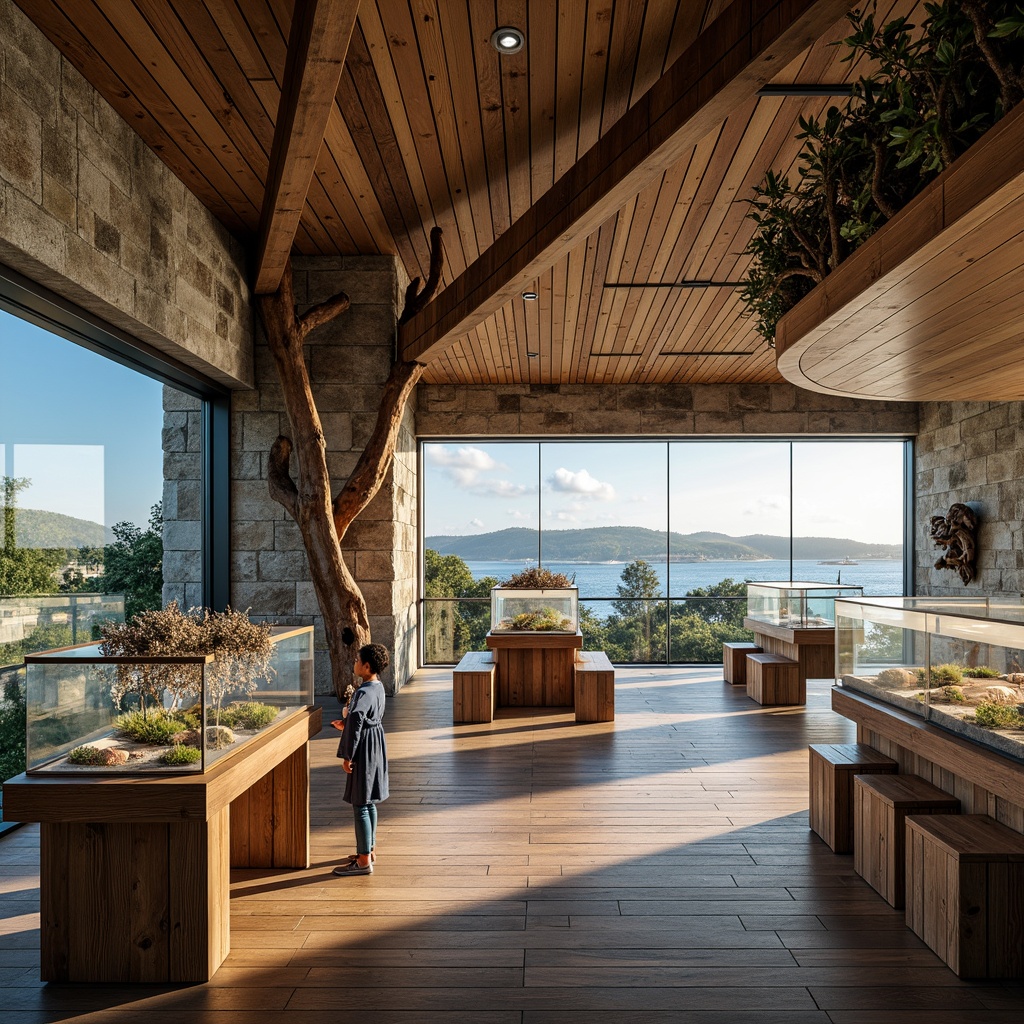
(599, 579)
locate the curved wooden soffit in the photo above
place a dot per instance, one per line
(931, 308)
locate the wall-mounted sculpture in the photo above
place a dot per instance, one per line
(954, 532)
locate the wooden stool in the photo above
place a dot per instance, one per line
(881, 804)
(594, 687)
(775, 679)
(734, 661)
(832, 767)
(965, 893)
(474, 688)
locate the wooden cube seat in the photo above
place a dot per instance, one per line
(965, 892)
(832, 768)
(881, 804)
(775, 679)
(734, 660)
(474, 686)
(594, 687)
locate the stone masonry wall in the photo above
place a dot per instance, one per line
(650, 410)
(348, 361)
(973, 452)
(90, 212)
(182, 499)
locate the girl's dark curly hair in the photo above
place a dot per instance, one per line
(376, 656)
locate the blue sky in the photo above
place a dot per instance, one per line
(849, 489)
(84, 429)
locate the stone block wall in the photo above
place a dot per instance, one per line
(90, 212)
(349, 360)
(973, 452)
(650, 410)
(183, 499)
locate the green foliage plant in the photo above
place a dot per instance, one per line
(954, 694)
(982, 672)
(998, 716)
(12, 729)
(942, 674)
(932, 91)
(133, 564)
(248, 715)
(181, 754)
(86, 755)
(156, 727)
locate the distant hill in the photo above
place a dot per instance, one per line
(626, 543)
(35, 528)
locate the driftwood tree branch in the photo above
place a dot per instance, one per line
(282, 486)
(307, 498)
(415, 300)
(370, 470)
(323, 313)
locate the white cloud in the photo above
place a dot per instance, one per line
(464, 458)
(502, 488)
(566, 481)
(478, 523)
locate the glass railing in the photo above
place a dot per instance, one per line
(638, 631)
(29, 625)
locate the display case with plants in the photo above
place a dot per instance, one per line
(169, 691)
(535, 601)
(797, 604)
(957, 662)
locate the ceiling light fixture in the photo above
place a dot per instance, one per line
(533, 355)
(674, 284)
(507, 39)
(529, 296)
(705, 354)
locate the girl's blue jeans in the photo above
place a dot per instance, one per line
(366, 828)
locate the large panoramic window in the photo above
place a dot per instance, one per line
(101, 491)
(661, 537)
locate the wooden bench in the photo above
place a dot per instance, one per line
(474, 688)
(594, 687)
(832, 768)
(881, 804)
(734, 660)
(965, 893)
(775, 679)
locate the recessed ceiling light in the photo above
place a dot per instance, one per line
(507, 39)
(529, 296)
(533, 355)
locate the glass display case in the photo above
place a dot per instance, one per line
(798, 605)
(534, 611)
(957, 662)
(89, 713)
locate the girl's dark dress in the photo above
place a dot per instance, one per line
(362, 743)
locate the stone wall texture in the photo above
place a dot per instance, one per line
(973, 452)
(349, 360)
(651, 410)
(90, 212)
(183, 499)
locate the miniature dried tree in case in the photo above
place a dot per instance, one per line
(241, 650)
(322, 517)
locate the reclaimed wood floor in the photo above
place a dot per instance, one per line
(532, 871)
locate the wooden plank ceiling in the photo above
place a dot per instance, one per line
(432, 126)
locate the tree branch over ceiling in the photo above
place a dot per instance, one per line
(317, 44)
(745, 47)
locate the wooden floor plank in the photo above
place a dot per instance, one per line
(530, 871)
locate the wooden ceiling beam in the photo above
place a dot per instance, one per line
(749, 44)
(317, 45)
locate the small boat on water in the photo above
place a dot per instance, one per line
(839, 561)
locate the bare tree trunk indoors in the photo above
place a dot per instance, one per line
(322, 518)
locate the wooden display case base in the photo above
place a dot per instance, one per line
(881, 806)
(965, 893)
(734, 660)
(135, 871)
(832, 768)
